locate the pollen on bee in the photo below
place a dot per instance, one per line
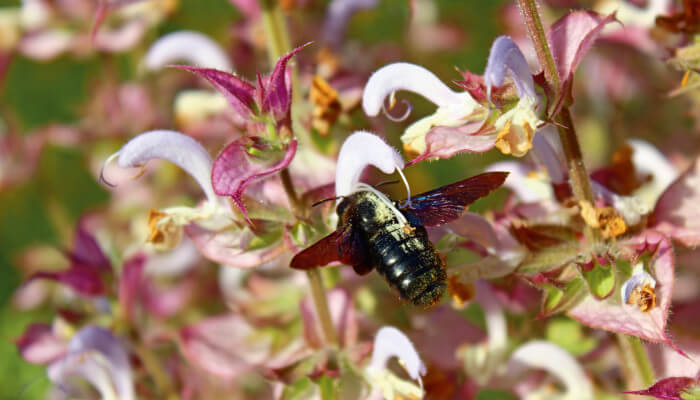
(643, 297)
(408, 229)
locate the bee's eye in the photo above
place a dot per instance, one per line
(340, 210)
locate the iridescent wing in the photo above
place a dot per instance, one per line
(344, 245)
(446, 203)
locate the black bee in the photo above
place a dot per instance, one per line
(374, 232)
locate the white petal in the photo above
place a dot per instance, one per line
(647, 159)
(506, 56)
(528, 188)
(175, 147)
(358, 151)
(391, 342)
(548, 155)
(34, 14)
(495, 318)
(339, 13)
(541, 354)
(122, 38)
(414, 78)
(192, 47)
(639, 278)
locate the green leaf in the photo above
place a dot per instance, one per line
(494, 394)
(568, 334)
(548, 259)
(328, 388)
(300, 389)
(691, 393)
(64, 177)
(600, 281)
(44, 92)
(557, 300)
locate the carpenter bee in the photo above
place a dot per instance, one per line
(375, 233)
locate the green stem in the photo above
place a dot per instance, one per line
(539, 39)
(580, 181)
(636, 362)
(278, 45)
(321, 304)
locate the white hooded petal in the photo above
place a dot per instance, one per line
(357, 152)
(414, 78)
(391, 342)
(192, 47)
(541, 354)
(175, 147)
(506, 56)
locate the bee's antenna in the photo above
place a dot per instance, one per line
(325, 200)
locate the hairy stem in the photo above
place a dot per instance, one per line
(580, 181)
(278, 45)
(528, 8)
(636, 362)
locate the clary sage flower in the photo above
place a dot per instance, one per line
(515, 126)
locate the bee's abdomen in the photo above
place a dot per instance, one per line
(409, 262)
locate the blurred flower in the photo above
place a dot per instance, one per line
(95, 355)
(338, 15)
(391, 342)
(193, 47)
(556, 361)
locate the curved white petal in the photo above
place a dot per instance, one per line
(175, 263)
(525, 183)
(544, 355)
(391, 342)
(638, 279)
(95, 355)
(175, 147)
(192, 47)
(414, 78)
(357, 152)
(506, 56)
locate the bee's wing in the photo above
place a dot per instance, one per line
(344, 245)
(446, 203)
